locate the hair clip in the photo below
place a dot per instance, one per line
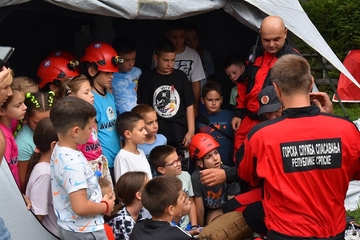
(51, 98)
(32, 99)
(68, 91)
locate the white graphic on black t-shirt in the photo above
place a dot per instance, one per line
(184, 65)
(166, 101)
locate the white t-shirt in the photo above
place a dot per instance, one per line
(38, 190)
(187, 187)
(126, 161)
(70, 172)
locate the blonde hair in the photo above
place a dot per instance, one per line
(8, 79)
(25, 83)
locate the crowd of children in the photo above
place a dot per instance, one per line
(97, 145)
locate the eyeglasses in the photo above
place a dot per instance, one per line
(175, 163)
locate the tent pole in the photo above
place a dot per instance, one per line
(331, 84)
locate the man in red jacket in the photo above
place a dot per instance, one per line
(303, 160)
(257, 76)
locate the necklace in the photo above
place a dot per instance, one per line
(102, 94)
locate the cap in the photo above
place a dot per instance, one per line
(269, 102)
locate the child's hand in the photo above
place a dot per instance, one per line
(195, 231)
(110, 202)
(235, 123)
(186, 139)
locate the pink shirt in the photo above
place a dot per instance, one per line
(11, 152)
(92, 149)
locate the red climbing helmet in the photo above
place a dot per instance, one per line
(103, 55)
(55, 69)
(63, 54)
(201, 144)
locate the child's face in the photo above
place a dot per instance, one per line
(234, 71)
(103, 80)
(165, 62)
(192, 39)
(5, 92)
(109, 191)
(129, 62)
(16, 109)
(187, 206)
(84, 134)
(177, 37)
(36, 117)
(85, 92)
(210, 160)
(181, 201)
(172, 165)
(138, 133)
(151, 123)
(212, 102)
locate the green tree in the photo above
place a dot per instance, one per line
(338, 21)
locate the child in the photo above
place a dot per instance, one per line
(131, 127)
(234, 67)
(216, 121)
(98, 65)
(130, 209)
(208, 200)
(153, 138)
(124, 83)
(37, 182)
(168, 90)
(165, 161)
(76, 193)
(80, 87)
(107, 188)
(165, 199)
(38, 107)
(13, 108)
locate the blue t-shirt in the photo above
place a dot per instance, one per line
(24, 141)
(221, 120)
(124, 88)
(146, 147)
(106, 119)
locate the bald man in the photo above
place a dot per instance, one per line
(257, 76)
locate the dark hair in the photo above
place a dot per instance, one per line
(158, 154)
(210, 86)
(44, 135)
(160, 193)
(233, 59)
(71, 85)
(15, 88)
(38, 101)
(164, 46)
(123, 45)
(174, 25)
(143, 109)
(69, 112)
(126, 121)
(126, 188)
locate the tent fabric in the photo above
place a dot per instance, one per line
(21, 223)
(248, 12)
(346, 89)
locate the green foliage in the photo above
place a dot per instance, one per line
(337, 21)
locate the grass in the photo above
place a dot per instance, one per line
(352, 109)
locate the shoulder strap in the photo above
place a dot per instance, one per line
(204, 120)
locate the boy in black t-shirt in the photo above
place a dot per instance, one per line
(169, 91)
(164, 198)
